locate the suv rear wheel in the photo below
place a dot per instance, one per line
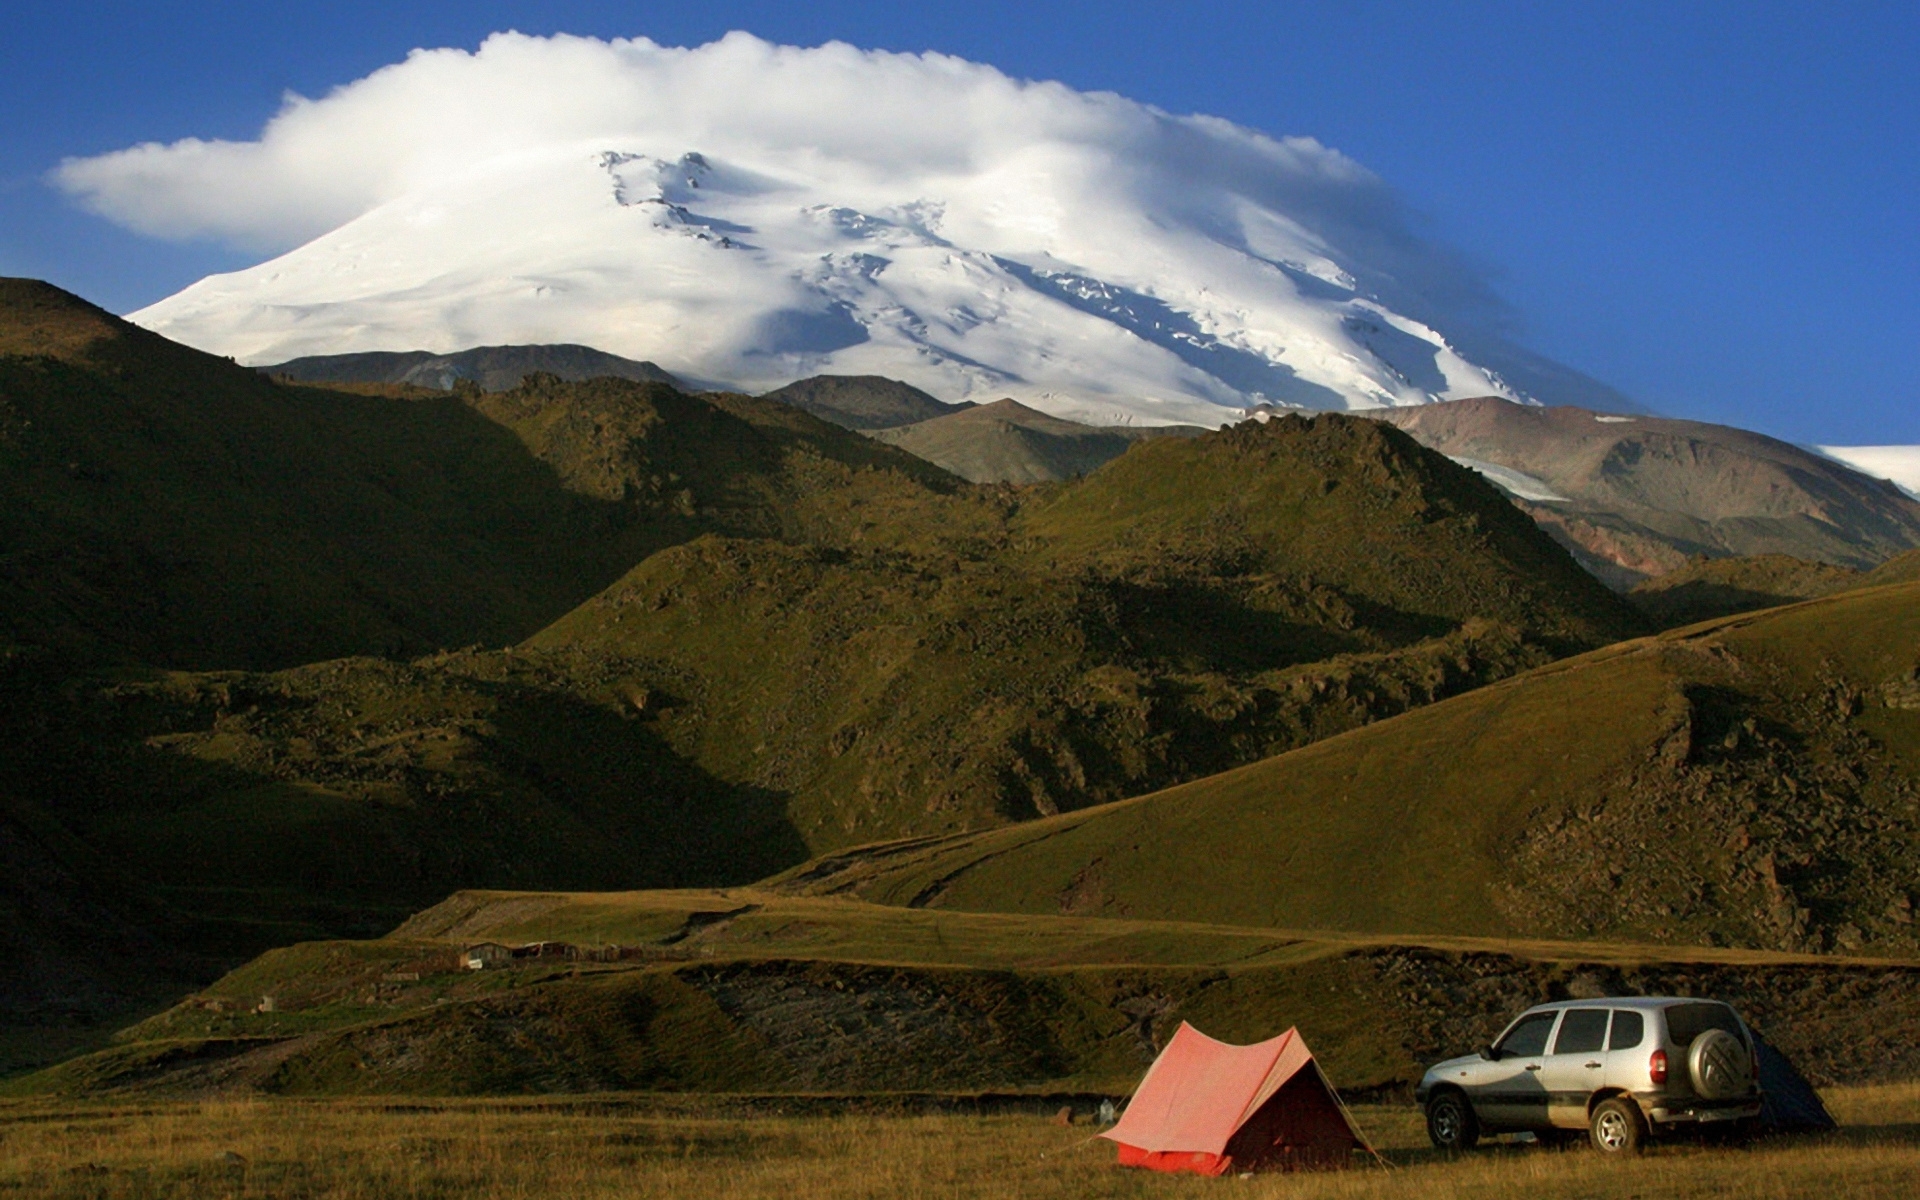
(1616, 1127)
(1450, 1122)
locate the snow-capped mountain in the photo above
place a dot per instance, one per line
(745, 215)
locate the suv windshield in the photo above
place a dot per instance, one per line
(1686, 1022)
(1527, 1038)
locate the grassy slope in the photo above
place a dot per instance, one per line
(1750, 782)
(1706, 588)
(339, 796)
(754, 991)
(1902, 568)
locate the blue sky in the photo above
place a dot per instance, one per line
(1710, 206)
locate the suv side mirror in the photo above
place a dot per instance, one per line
(1489, 1053)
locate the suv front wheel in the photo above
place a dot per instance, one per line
(1450, 1122)
(1617, 1128)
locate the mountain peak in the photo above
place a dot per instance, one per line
(834, 211)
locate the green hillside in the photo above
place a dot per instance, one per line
(887, 659)
(1415, 541)
(162, 508)
(747, 991)
(1750, 783)
(1190, 607)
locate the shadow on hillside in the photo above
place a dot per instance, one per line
(194, 515)
(252, 811)
(669, 822)
(1201, 627)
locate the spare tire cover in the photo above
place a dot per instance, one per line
(1720, 1066)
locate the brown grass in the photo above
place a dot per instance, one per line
(498, 1151)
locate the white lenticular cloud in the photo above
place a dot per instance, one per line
(746, 213)
(320, 163)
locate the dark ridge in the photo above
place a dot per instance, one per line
(863, 401)
(493, 368)
(1007, 442)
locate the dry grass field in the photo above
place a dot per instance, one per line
(581, 1150)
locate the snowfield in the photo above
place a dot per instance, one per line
(1518, 484)
(746, 214)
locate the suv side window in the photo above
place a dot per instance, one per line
(1628, 1030)
(1582, 1031)
(1528, 1038)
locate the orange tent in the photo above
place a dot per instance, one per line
(1210, 1107)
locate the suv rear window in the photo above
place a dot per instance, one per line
(1628, 1029)
(1582, 1031)
(1686, 1022)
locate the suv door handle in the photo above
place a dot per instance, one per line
(1593, 1064)
(1533, 1067)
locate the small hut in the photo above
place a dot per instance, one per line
(484, 956)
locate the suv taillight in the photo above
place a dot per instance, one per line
(1657, 1066)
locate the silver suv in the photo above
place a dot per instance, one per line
(1618, 1069)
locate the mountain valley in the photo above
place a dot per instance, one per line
(287, 663)
(725, 635)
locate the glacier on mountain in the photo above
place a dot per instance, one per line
(746, 214)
